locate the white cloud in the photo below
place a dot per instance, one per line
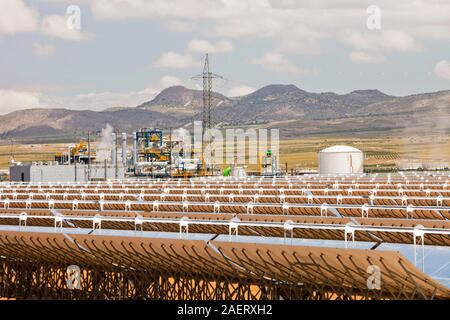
(175, 60)
(181, 26)
(298, 26)
(366, 57)
(240, 90)
(372, 47)
(442, 70)
(12, 100)
(44, 50)
(56, 26)
(168, 81)
(204, 46)
(151, 9)
(16, 16)
(104, 100)
(276, 62)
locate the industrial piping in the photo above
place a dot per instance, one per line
(135, 160)
(113, 149)
(124, 149)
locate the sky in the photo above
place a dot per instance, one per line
(97, 54)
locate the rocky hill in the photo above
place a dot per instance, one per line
(294, 111)
(182, 102)
(47, 122)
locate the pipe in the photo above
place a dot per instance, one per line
(106, 171)
(89, 157)
(113, 149)
(68, 155)
(135, 159)
(116, 163)
(124, 149)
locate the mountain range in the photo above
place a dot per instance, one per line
(294, 111)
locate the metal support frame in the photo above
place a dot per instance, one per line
(233, 228)
(349, 234)
(419, 239)
(97, 222)
(23, 219)
(184, 227)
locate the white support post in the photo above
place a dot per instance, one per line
(419, 235)
(365, 211)
(97, 222)
(185, 206)
(409, 211)
(249, 208)
(184, 227)
(128, 205)
(285, 207)
(323, 210)
(58, 222)
(217, 207)
(288, 228)
(101, 204)
(439, 201)
(155, 206)
(23, 219)
(138, 222)
(349, 232)
(233, 227)
(404, 200)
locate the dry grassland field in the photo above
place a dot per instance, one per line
(298, 153)
(28, 152)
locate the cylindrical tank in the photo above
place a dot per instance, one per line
(341, 160)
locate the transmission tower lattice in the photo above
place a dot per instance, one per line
(207, 76)
(207, 122)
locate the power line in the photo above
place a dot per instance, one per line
(207, 77)
(207, 122)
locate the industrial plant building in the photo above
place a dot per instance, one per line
(41, 172)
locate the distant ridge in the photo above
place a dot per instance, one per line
(293, 110)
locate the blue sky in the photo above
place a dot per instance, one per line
(128, 50)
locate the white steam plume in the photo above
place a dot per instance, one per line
(106, 144)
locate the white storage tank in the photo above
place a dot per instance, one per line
(341, 160)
